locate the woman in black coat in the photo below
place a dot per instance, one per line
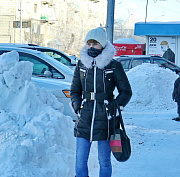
(176, 97)
(95, 78)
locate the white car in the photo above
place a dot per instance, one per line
(48, 73)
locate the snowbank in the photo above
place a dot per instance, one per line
(152, 88)
(36, 139)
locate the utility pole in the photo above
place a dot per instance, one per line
(20, 21)
(146, 10)
(110, 20)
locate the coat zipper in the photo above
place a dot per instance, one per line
(105, 101)
(94, 108)
(86, 78)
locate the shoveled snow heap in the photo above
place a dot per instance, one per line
(152, 87)
(36, 139)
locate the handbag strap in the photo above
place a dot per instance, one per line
(120, 119)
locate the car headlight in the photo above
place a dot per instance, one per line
(66, 93)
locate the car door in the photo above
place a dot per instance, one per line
(55, 83)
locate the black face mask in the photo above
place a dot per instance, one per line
(94, 52)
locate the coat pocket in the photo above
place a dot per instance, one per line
(108, 74)
(83, 72)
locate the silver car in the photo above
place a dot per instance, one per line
(130, 61)
(69, 61)
(48, 73)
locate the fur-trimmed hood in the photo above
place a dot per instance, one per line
(102, 59)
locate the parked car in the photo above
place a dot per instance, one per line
(131, 61)
(69, 61)
(48, 73)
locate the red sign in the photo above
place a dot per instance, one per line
(129, 49)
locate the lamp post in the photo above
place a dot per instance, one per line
(20, 21)
(110, 20)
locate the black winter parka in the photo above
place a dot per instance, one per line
(97, 77)
(176, 91)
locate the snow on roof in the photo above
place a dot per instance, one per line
(126, 41)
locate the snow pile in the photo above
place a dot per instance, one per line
(36, 139)
(152, 87)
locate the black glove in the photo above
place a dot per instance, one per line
(78, 111)
(76, 106)
(112, 107)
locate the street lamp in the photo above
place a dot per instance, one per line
(20, 5)
(110, 20)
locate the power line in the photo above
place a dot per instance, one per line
(162, 6)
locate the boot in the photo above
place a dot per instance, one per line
(177, 118)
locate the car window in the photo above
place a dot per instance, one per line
(125, 63)
(56, 55)
(164, 64)
(139, 61)
(40, 66)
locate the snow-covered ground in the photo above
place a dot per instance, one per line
(36, 139)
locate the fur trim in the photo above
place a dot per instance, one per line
(102, 59)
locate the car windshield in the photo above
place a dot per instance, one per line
(164, 64)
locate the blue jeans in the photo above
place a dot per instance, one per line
(82, 153)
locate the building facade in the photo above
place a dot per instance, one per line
(61, 24)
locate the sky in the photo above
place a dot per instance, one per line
(157, 10)
(36, 138)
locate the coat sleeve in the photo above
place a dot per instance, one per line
(76, 89)
(176, 90)
(122, 84)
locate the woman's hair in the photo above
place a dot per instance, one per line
(92, 41)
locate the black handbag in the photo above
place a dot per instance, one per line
(119, 141)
